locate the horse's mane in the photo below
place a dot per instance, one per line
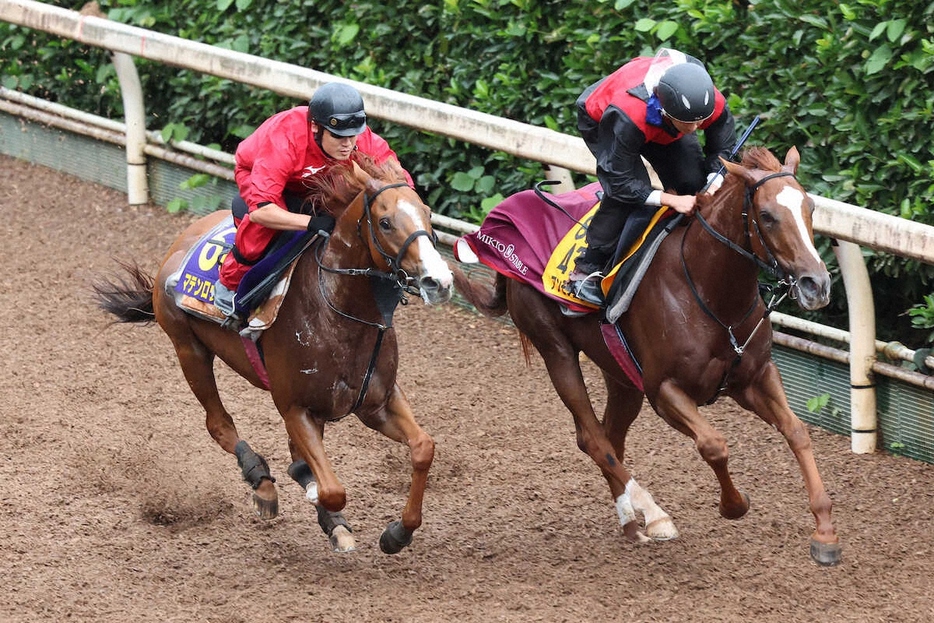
(336, 189)
(760, 158)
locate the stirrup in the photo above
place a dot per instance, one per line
(232, 322)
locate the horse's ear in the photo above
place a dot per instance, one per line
(739, 171)
(792, 159)
(359, 174)
(396, 167)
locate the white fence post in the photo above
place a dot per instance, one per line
(862, 317)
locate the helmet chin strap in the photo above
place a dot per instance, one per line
(319, 132)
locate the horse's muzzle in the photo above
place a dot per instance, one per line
(813, 291)
(433, 291)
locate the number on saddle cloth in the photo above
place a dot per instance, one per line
(195, 279)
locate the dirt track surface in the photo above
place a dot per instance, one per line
(118, 507)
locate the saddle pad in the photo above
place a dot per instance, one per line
(527, 239)
(200, 268)
(193, 283)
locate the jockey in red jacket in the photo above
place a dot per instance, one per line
(272, 168)
(650, 107)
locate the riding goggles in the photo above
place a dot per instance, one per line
(347, 124)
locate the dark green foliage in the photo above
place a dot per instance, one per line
(851, 84)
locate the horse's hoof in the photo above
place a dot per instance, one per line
(266, 507)
(735, 512)
(826, 554)
(662, 529)
(633, 534)
(342, 540)
(266, 499)
(394, 538)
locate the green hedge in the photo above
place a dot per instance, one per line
(851, 84)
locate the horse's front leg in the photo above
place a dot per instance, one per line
(766, 398)
(333, 524)
(680, 411)
(306, 441)
(397, 422)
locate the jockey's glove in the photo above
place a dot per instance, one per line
(714, 181)
(321, 222)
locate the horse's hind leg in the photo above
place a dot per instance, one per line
(564, 370)
(622, 407)
(197, 363)
(334, 525)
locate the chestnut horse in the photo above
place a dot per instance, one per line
(699, 329)
(332, 350)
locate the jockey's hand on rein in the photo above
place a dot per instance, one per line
(321, 222)
(714, 181)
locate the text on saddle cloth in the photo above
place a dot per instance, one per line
(201, 265)
(261, 290)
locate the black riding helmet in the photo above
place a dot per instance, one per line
(338, 108)
(686, 92)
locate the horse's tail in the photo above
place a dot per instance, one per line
(488, 297)
(129, 298)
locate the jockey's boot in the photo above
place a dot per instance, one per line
(223, 298)
(586, 287)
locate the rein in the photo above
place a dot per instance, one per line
(771, 267)
(389, 287)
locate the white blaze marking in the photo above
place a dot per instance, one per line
(414, 214)
(433, 265)
(793, 200)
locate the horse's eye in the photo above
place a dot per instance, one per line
(766, 219)
(385, 224)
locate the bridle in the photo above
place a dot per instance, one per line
(770, 264)
(394, 263)
(785, 286)
(389, 287)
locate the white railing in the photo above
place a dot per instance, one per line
(850, 225)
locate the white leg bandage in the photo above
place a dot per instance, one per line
(624, 504)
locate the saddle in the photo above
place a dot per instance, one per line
(261, 290)
(536, 238)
